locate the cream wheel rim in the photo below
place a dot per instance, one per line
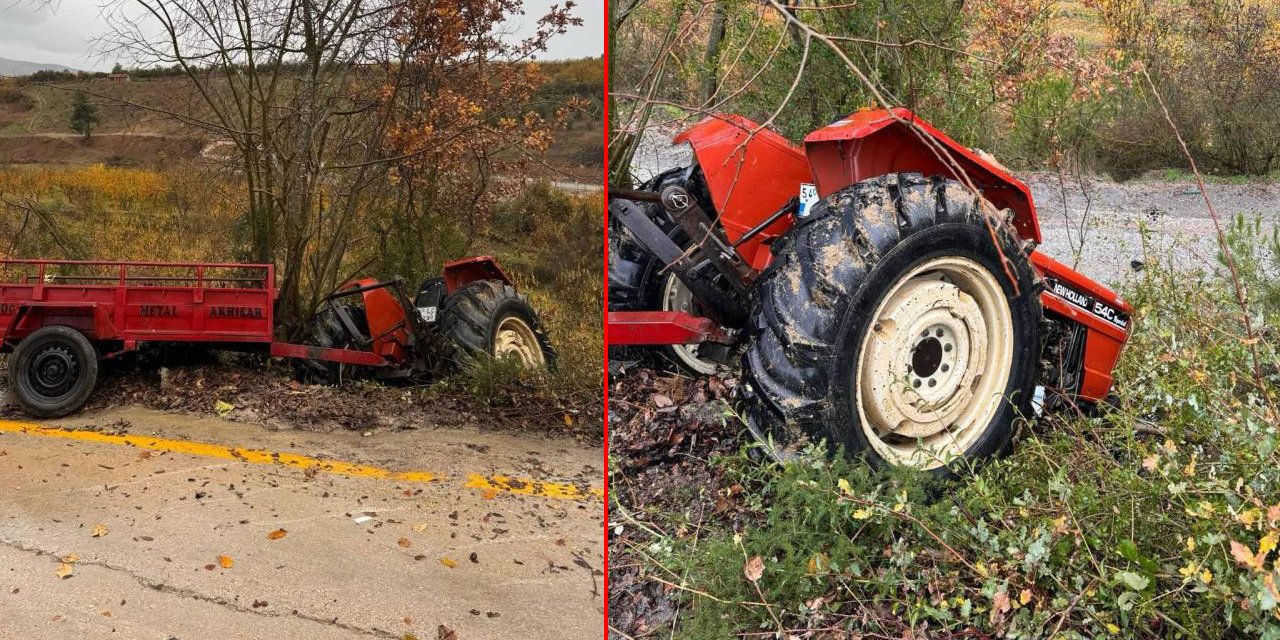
(935, 363)
(677, 297)
(515, 339)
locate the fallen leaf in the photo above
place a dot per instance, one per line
(64, 570)
(660, 401)
(1151, 462)
(99, 530)
(1244, 556)
(1024, 597)
(277, 534)
(754, 569)
(568, 420)
(225, 562)
(420, 527)
(448, 563)
(445, 633)
(818, 564)
(999, 606)
(223, 408)
(71, 558)
(144, 455)
(490, 494)
(404, 542)
(1267, 544)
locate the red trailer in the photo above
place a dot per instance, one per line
(59, 318)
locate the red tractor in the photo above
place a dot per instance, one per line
(881, 285)
(59, 319)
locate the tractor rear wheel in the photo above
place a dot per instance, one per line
(324, 329)
(489, 318)
(53, 371)
(898, 321)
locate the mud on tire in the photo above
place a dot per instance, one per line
(819, 302)
(474, 318)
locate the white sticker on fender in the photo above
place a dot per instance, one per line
(428, 314)
(808, 198)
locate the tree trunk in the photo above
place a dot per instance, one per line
(711, 62)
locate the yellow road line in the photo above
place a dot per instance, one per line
(556, 490)
(524, 487)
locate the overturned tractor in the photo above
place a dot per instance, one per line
(879, 286)
(60, 319)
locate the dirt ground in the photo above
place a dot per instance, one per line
(406, 513)
(663, 432)
(268, 395)
(186, 547)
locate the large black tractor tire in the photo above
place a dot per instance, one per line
(53, 371)
(324, 329)
(898, 322)
(488, 319)
(637, 282)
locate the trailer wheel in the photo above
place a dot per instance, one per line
(897, 321)
(489, 318)
(53, 371)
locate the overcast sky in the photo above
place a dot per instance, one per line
(63, 34)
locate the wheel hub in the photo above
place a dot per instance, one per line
(937, 358)
(515, 339)
(677, 297)
(53, 371)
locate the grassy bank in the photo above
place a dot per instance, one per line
(549, 241)
(1160, 519)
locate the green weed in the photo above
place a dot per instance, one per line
(1158, 520)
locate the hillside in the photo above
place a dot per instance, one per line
(34, 119)
(21, 67)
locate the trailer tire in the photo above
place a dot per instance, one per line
(53, 371)
(490, 319)
(898, 321)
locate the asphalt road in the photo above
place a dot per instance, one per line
(163, 528)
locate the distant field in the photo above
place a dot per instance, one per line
(34, 126)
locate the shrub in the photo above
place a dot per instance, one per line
(1159, 520)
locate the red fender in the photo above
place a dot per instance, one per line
(877, 142)
(460, 273)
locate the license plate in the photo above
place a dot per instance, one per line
(808, 198)
(428, 314)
